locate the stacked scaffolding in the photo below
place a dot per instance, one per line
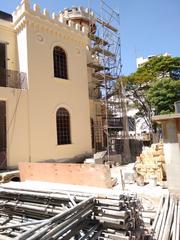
(105, 65)
(30, 211)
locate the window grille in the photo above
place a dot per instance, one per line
(60, 63)
(63, 126)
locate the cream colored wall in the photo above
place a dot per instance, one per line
(32, 127)
(8, 36)
(17, 125)
(46, 93)
(16, 103)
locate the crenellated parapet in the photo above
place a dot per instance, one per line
(20, 10)
(79, 13)
(41, 18)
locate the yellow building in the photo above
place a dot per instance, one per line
(44, 99)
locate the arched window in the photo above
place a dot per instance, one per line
(60, 63)
(63, 126)
(92, 132)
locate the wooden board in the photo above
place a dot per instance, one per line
(79, 174)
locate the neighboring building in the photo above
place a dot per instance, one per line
(44, 98)
(141, 60)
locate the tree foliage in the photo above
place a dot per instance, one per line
(135, 88)
(154, 87)
(161, 67)
(162, 95)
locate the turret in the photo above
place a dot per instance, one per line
(79, 15)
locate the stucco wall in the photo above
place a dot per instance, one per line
(172, 153)
(16, 102)
(8, 36)
(32, 132)
(47, 94)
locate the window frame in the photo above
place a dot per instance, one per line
(63, 127)
(60, 66)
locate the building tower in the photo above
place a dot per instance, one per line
(107, 105)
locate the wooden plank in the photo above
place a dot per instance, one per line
(96, 175)
(97, 39)
(105, 24)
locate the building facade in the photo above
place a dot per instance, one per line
(140, 61)
(44, 98)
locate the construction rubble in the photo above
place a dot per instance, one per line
(151, 163)
(75, 127)
(32, 210)
(78, 201)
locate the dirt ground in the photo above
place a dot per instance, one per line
(148, 194)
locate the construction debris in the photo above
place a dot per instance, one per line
(151, 163)
(106, 25)
(97, 39)
(167, 222)
(98, 158)
(30, 213)
(8, 176)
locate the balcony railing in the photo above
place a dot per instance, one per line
(13, 79)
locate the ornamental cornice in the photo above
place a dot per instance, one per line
(7, 28)
(42, 22)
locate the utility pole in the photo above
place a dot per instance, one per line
(126, 148)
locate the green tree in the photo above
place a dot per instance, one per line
(135, 90)
(162, 94)
(154, 87)
(160, 67)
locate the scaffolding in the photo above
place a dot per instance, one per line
(111, 121)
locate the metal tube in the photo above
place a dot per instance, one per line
(3, 237)
(71, 225)
(62, 226)
(158, 211)
(178, 222)
(42, 209)
(175, 221)
(168, 221)
(20, 225)
(55, 218)
(75, 230)
(91, 230)
(162, 225)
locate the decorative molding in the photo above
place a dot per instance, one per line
(56, 25)
(40, 38)
(42, 27)
(78, 51)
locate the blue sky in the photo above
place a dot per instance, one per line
(147, 26)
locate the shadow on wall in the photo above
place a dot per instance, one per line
(77, 159)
